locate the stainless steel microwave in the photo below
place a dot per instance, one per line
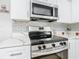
(43, 11)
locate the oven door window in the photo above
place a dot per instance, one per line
(38, 9)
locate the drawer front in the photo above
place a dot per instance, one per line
(15, 53)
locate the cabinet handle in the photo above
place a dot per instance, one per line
(69, 45)
(16, 54)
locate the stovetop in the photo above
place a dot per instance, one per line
(43, 47)
(52, 40)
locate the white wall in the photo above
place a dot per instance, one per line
(57, 28)
(5, 22)
(23, 26)
(54, 26)
(74, 29)
(75, 26)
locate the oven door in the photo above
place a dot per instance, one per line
(43, 11)
(52, 56)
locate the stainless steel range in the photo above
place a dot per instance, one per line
(43, 42)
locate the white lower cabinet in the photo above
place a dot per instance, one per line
(73, 49)
(15, 53)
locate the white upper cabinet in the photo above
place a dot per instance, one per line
(54, 2)
(64, 11)
(49, 1)
(75, 10)
(20, 10)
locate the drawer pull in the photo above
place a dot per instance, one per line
(15, 54)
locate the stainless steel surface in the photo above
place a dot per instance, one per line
(51, 11)
(42, 44)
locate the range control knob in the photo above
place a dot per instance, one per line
(61, 43)
(64, 43)
(44, 47)
(53, 45)
(39, 47)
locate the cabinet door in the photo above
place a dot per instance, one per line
(72, 51)
(77, 48)
(15, 53)
(20, 9)
(54, 2)
(75, 10)
(64, 11)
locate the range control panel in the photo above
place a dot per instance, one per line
(50, 45)
(43, 49)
